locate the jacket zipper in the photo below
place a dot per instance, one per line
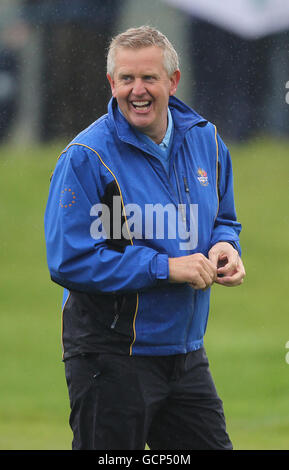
(180, 195)
(187, 191)
(118, 306)
(116, 315)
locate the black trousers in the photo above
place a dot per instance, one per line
(125, 402)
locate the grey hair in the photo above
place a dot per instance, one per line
(137, 38)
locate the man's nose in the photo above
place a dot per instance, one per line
(138, 87)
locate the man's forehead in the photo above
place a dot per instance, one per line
(136, 48)
(145, 58)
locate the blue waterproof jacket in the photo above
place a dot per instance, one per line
(117, 295)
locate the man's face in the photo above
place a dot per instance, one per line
(142, 88)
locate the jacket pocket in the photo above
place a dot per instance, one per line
(114, 311)
(124, 310)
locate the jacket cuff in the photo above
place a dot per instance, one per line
(162, 271)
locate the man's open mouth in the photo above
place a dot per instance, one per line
(141, 105)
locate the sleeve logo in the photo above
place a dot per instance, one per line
(67, 198)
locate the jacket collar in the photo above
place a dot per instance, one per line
(184, 119)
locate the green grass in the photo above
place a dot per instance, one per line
(248, 327)
(34, 403)
(247, 330)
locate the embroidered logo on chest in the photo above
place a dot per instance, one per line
(203, 177)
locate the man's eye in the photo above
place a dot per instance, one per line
(127, 78)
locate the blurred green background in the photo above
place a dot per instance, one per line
(52, 85)
(247, 331)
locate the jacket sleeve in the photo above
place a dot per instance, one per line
(226, 227)
(77, 260)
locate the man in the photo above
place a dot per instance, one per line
(137, 291)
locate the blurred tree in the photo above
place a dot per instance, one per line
(9, 89)
(231, 79)
(75, 35)
(239, 83)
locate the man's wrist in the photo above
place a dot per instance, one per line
(234, 244)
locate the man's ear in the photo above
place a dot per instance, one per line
(175, 78)
(111, 82)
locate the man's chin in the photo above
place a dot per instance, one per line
(140, 123)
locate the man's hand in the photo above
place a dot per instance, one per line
(230, 268)
(196, 270)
